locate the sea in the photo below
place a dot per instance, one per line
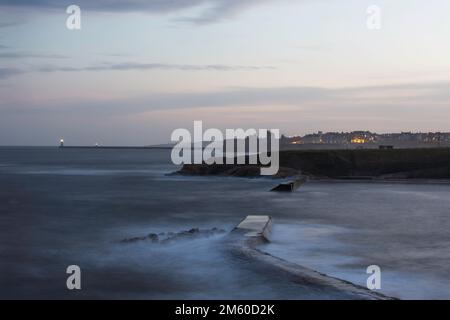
(62, 206)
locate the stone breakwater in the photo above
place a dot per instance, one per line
(245, 244)
(168, 237)
(345, 164)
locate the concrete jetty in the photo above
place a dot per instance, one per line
(256, 227)
(246, 242)
(290, 186)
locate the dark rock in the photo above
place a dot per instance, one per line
(172, 236)
(135, 239)
(153, 237)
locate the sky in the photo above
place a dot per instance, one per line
(137, 70)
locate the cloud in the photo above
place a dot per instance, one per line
(153, 66)
(222, 9)
(19, 55)
(6, 24)
(158, 6)
(215, 9)
(371, 100)
(405, 94)
(9, 72)
(130, 66)
(3, 47)
(115, 55)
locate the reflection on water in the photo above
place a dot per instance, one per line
(62, 207)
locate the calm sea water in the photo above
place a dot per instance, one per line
(73, 206)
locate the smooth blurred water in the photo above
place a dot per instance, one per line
(72, 206)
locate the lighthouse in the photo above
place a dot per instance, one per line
(61, 143)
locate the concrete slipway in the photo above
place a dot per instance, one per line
(246, 241)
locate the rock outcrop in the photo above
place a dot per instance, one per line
(345, 164)
(168, 237)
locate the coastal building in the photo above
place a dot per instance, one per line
(367, 139)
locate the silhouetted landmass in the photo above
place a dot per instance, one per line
(346, 164)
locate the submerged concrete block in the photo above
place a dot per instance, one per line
(290, 186)
(256, 226)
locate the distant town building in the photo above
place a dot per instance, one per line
(367, 138)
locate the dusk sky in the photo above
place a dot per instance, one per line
(139, 69)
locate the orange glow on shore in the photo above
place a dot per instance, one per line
(358, 141)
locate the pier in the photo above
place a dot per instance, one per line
(246, 242)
